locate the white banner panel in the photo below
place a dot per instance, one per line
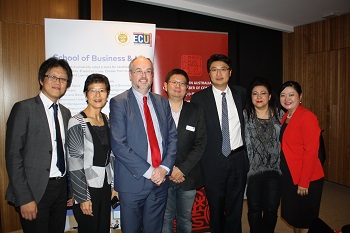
(103, 47)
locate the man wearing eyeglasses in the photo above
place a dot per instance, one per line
(224, 162)
(186, 176)
(144, 141)
(35, 152)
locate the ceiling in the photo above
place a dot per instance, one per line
(282, 15)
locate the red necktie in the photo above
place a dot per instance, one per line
(152, 138)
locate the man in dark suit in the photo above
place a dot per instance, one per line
(186, 176)
(144, 141)
(35, 156)
(225, 163)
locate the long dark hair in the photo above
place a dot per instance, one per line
(273, 106)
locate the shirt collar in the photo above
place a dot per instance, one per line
(138, 95)
(218, 92)
(46, 101)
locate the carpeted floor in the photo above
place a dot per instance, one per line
(335, 209)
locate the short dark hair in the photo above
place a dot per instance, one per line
(51, 63)
(177, 71)
(218, 57)
(97, 78)
(293, 84)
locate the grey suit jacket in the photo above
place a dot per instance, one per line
(28, 150)
(129, 140)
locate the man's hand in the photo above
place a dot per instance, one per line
(158, 175)
(86, 207)
(177, 176)
(29, 210)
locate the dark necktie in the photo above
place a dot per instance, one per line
(226, 147)
(152, 138)
(60, 154)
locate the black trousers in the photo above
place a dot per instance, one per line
(263, 193)
(52, 209)
(224, 187)
(101, 209)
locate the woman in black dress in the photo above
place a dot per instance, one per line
(302, 170)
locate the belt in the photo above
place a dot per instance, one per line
(56, 178)
(238, 149)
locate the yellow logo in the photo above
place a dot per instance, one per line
(122, 38)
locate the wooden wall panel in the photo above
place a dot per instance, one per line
(35, 11)
(2, 123)
(318, 57)
(22, 50)
(96, 10)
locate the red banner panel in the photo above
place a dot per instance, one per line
(188, 50)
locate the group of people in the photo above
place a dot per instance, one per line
(153, 153)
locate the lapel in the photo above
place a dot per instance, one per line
(135, 110)
(42, 118)
(238, 103)
(65, 116)
(183, 116)
(157, 105)
(212, 109)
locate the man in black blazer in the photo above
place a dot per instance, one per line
(225, 163)
(186, 176)
(38, 182)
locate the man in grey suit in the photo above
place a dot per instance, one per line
(186, 176)
(35, 155)
(144, 141)
(224, 162)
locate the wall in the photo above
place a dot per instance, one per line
(318, 57)
(254, 51)
(21, 53)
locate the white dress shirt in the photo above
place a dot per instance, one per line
(54, 172)
(233, 119)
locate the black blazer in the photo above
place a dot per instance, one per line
(28, 150)
(212, 156)
(192, 139)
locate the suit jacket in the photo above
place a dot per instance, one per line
(300, 143)
(129, 140)
(192, 139)
(29, 150)
(206, 100)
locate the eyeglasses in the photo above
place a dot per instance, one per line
(100, 91)
(53, 78)
(181, 84)
(141, 72)
(222, 70)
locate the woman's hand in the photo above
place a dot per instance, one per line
(114, 193)
(302, 191)
(86, 208)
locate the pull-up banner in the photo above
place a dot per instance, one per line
(188, 50)
(103, 47)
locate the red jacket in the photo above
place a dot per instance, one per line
(300, 143)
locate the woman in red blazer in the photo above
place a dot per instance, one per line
(301, 168)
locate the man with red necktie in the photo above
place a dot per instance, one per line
(144, 141)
